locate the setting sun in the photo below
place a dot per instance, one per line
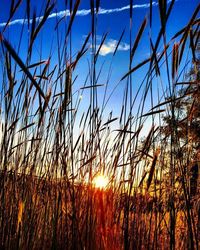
(100, 181)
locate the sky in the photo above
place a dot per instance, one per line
(113, 18)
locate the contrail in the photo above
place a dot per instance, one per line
(83, 12)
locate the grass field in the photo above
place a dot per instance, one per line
(78, 171)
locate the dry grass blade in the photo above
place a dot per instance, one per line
(37, 64)
(147, 142)
(136, 68)
(20, 212)
(119, 41)
(26, 127)
(197, 35)
(168, 101)
(131, 9)
(175, 61)
(152, 169)
(195, 22)
(187, 83)
(13, 9)
(28, 11)
(110, 121)
(138, 37)
(162, 30)
(186, 32)
(124, 131)
(193, 48)
(163, 11)
(92, 86)
(92, 9)
(36, 30)
(81, 52)
(157, 69)
(18, 145)
(23, 67)
(143, 177)
(151, 5)
(76, 5)
(192, 21)
(13, 125)
(88, 161)
(144, 153)
(100, 46)
(97, 5)
(41, 77)
(77, 142)
(33, 26)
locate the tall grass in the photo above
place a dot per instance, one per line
(52, 146)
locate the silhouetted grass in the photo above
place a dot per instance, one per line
(51, 148)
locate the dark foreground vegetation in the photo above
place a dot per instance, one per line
(38, 214)
(51, 149)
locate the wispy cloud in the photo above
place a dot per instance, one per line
(110, 46)
(83, 12)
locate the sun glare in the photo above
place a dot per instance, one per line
(100, 181)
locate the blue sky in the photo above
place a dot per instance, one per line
(113, 23)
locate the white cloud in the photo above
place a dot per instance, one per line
(110, 46)
(127, 7)
(83, 12)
